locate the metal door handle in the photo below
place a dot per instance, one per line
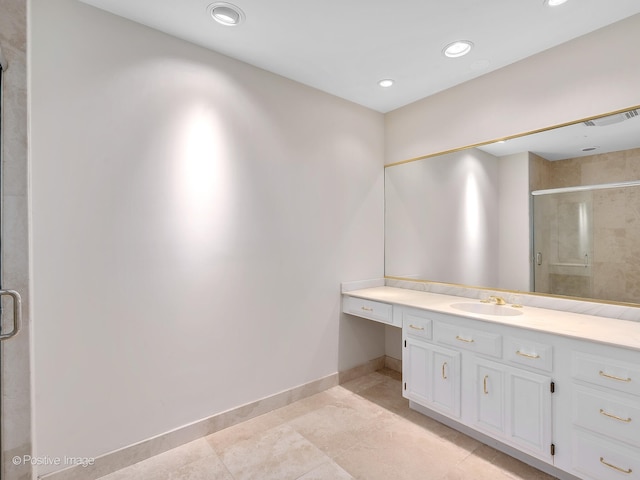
(539, 258)
(17, 313)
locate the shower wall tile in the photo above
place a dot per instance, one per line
(603, 168)
(594, 169)
(538, 172)
(570, 285)
(633, 162)
(633, 209)
(606, 208)
(611, 282)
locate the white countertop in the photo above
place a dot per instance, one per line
(620, 333)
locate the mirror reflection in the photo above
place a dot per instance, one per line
(555, 212)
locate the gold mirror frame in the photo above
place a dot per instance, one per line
(516, 292)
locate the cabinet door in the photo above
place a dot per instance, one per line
(490, 396)
(416, 372)
(432, 376)
(513, 405)
(529, 412)
(446, 381)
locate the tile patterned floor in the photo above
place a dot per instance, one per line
(362, 429)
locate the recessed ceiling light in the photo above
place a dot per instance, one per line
(385, 83)
(554, 3)
(458, 49)
(226, 13)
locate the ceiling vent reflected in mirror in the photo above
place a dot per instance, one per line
(611, 119)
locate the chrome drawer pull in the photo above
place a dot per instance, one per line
(628, 470)
(367, 309)
(444, 376)
(458, 337)
(528, 355)
(615, 417)
(416, 328)
(613, 377)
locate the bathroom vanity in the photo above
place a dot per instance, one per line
(558, 390)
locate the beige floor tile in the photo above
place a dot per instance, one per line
(387, 372)
(335, 428)
(513, 467)
(470, 472)
(280, 453)
(364, 382)
(327, 471)
(160, 466)
(309, 404)
(387, 394)
(230, 436)
(486, 463)
(208, 468)
(402, 450)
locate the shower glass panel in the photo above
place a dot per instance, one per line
(585, 241)
(563, 243)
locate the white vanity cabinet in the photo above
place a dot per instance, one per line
(460, 371)
(605, 389)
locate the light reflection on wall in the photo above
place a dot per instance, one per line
(471, 221)
(474, 234)
(584, 231)
(203, 186)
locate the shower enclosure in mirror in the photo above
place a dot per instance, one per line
(585, 241)
(563, 243)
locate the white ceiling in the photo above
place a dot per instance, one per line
(344, 47)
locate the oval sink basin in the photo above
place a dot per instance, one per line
(487, 309)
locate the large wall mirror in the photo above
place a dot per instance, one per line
(555, 212)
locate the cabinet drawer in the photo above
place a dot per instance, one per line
(378, 311)
(532, 354)
(599, 459)
(469, 339)
(610, 415)
(612, 374)
(416, 324)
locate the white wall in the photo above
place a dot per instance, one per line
(513, 250)
(192, 220)
(441, 218)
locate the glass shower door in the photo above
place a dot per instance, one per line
(563, 243)
(10, 302)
